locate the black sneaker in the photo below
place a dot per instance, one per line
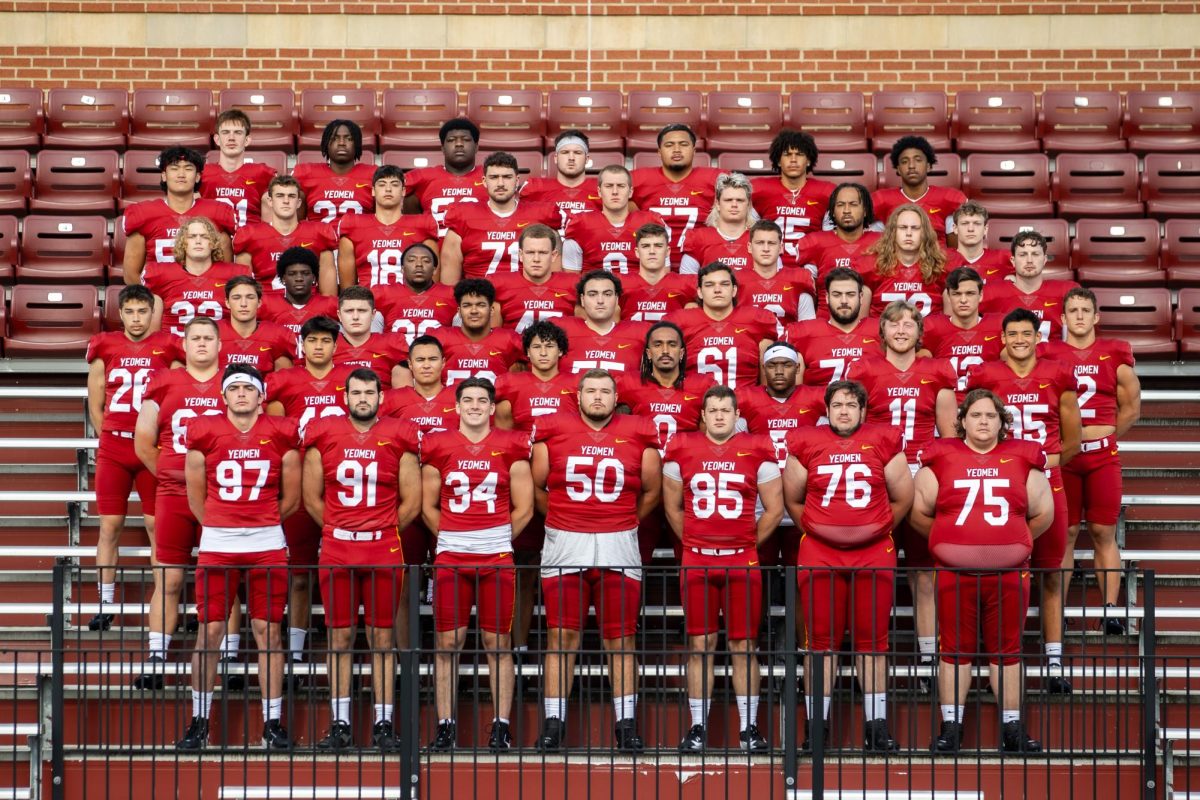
(695, 740)
(383, 736)
(752, 741)
(949, 739)
(446, 736)
(191, 623)
(1014, 739)
(152, 678)
(196, 735)
(628, 740)
(551, 738)
(808, 736)
(232, 680)
(296, 679)
(1058, 683)
(877, 738)
(499, 738)
(339, 737)
(101, 622)
(1113, 626)
(274, 737)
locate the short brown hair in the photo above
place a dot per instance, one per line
(974, 396)
(234, 115)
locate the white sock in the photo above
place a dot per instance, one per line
(341, 709)
(230, 645)
(625, 706)
(296, 642)
(445, 722)
(272, 708)
(753, 711)
(927, 645)
(108, 593)
(383, 711)
(556, 707)
(1054, 653)
(952, 713)
(157, 643)
(201, 703)
(699, 709)
(875, 705)
(1010, 716)
(743, 705)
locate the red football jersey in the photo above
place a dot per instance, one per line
(1032, 400)
(378, 248)
(437, 190)
(437, 413)
(812, 245)
(779, 294)
(727, 350)
(329, 197)
(241, 189)
(907, 284)
(827, 351)
(939, 202)
(569, 199)
(265, 244)
(683, 204)
(852, 255)
(475, 488)
(963, 348)
(244, 469)
(642, 301)
(720, 486)
(672, 409)
(979, 516)
(185, 295)
(619, 350)
(489, 241)
(906, 400)
(523, 303)
(707, 245)
(379, 352)
(415, 314)
(595, 476)
(489, 357)
(797, 213)
(769, 416)
(1095, 371)
(846, 502)
(159, 225)
(260, 349)
(605, 246)
(361, 471)
(1046, 303)
(128, 366)
(180, 398)
(531, 397)
(993, 264)
(305, 397)
(276, 308)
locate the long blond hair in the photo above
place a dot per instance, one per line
(931, 259)
(218, 252)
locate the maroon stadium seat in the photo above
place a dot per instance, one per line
(1171, 184)
(410, 118)
(837, 121)
(1097, 185)
(993, 121)
(9, 250)
(1187, 322)
(742, 122)
(164, 117)
(1117, 252)
(15, 181)
(649, 111)
(275, 159)
(413, 159)
(22, 118)
(1180, 252)
(946, 172)
(140, 177)
(1163, 122)
(1141, 317)
(529, 165)
(81, 181)
(319, 107)
(1010, 185)
(1074, 121)
(1058, 237)
(652, 160)
(64, 249)
(892, 115)
(599, 114)
(90, 118)
(315, 157)
(51, 321)
(508, 119)
(111, 313)
(849, 168)
(745, 163)
(116, 271)
(274, 122)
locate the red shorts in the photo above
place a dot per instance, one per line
(303, 537)
(416, 543)
(711, 585)
(118, 471)
(176, 532)
(1049, 548)
(852, 585)
(1092, 484)
(370, 573)
(219, 576)
(462, 580)
(618, 601)
(530, 539)
(999, 600)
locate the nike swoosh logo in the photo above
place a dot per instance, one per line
(925, 381)
(621, 441)
(522, 224)
(740, 330)
(377, 355)
(890, 549)
(991, 272)
(990, 338)
(1105, 358)
(1043, 386)
(868, 341)
(812, 202)
(447, 410)
(805, 410)
(497, 452)
(934, 210)
(479, 183)
(250, 183)
(787, 288)
(624, 346)
(158, 352)
(382, 444)
(672, 294)
(1005, 460)
(494, 352)
(560, 294)
(340, 389)
(567, 391)
(1112, 452)
(407, 233)
(1051, 304)
(218, 285)
(687, 398)
(867, 446)
(440, 305)
(264, 441)
(264, 349)
(1057, 488)
(694, 194)
(306, 244)
(361, 185)
(742, 455)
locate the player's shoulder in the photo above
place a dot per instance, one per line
(309, 170)
(206, 426)
(937, 369)
(101, 344)
(682, 445)
(1030, 452)
(757, 445)
(285, 429)
(800, 440)
(1119, 349)
(516, 444)
(937, 451)
(889, 438)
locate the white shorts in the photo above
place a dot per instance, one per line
(572, 551)
(214, 539)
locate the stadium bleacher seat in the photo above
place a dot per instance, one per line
(742, 122)
(90, 118)
(994, 121)
(1117, 252)
(892, 115)
(410, 118)
(702, 159)
(319, 107)
(529, 164)
(22, 118)
(163, 117)
(1096, 185)
(1141, 317)
(315, 157)
(837, 121)
(1180, 252)
(274, 121)
(275, 159)
(1011, 184)
(946, 172)
(15, 181)
(1163, 122)
(1076, 121)
(600, 114)
(508, 119)
(1171, 184)
(412, 159)
(1187, 322)
(80, 181)
(59, 249)
(745, 163)
(111, 312)
(10, 244)
(51, 321)
(1058, 238)
(116, 272)
(140, 177)
(848, 168)
(649, 111)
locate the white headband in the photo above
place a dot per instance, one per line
(241, 377)
(780, 351)
(570, 140)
